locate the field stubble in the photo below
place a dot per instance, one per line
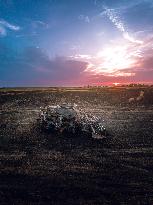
(38, 168)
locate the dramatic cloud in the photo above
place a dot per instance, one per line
(121, 60)
(34, 64)
(114, 46)
(41, 61)
(122, 64)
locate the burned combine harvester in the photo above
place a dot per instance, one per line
(67, 119)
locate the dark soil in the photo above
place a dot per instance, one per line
(40, 168)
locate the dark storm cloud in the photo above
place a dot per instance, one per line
(58, 67)
(34, 65)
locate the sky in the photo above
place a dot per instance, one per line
(75, 43)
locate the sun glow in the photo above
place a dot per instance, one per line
(118, 59)
(114, 59)
(116, 84)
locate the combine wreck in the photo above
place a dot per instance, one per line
(66, 119)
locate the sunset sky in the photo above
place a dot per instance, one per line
(75, 42)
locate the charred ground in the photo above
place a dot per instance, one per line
(38, 168)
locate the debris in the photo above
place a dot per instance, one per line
(137, 99)
(67, 119)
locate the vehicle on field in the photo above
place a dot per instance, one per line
(67, 119)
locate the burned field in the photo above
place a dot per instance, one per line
(41, 168)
